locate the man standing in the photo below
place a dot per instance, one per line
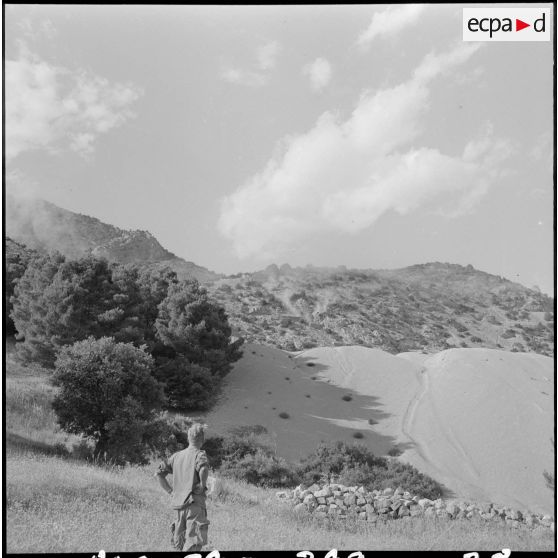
(189, 471)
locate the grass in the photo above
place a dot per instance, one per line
(58, 503)
(74, 507)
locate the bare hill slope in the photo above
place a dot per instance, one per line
(478, 420)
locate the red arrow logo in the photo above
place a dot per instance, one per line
(519, 25)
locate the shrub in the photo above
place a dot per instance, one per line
(107, 393)
(356, 465)
(261, 469)
(284, 415)
(358, 435)
(347, 397)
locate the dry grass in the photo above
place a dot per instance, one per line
(74, 507)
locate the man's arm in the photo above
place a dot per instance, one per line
(162, 478)
(204, 473)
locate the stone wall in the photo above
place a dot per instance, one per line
(382, 505)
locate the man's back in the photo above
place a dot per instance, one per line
(184, 466)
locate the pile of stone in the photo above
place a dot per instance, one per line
(337, 500)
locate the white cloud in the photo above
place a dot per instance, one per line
(49, 107)
(341, 176)
(244, 77)
(266, 59)
(319, 73)
(390, 21)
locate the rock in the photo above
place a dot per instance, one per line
(396, 505)
(515, 515)
(350, 499)
(387, 491)
(452, 509)
(438, 504)
(314, 488)
(403, 512)
(300, 508)
(362, 515)
(309, 499)
(320, 500)
(398, 491)
(443, 514)
(330, 500)
(323, 493)
(340, 503)
(373, 517)
(416, 511)
(485, 507)
(320, 514)
(429, 512)
(361, 490)
(425, 503)
(361, 501)
(321, 508)
(304, 493)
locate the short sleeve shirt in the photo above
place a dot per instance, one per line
(184, 466)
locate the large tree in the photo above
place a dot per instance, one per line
(200, 351)
(108, 394)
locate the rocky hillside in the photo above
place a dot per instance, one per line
(428, 307)
(42, 225)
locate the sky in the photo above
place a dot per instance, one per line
(370, 136)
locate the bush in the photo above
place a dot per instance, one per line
(356, 465)
(358, 435)
(107, 394)
(284, 415)
(261, 469)
(347, 397)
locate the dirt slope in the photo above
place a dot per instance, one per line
(478, 420)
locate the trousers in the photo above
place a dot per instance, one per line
(189, 530)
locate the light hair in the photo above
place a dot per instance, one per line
(196, 434)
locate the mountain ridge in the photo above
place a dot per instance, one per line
(40, 224)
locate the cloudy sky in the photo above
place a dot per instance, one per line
(368, 136)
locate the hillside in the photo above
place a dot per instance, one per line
(479, 421)
(429, 307)
(57, 502)
(42, 225)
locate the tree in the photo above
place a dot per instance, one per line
(17, 258)
(139, 291)
(29, 310)
(197, 328)
(57, 302)
(195, 331)
(108, 394)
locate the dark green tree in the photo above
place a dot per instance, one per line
(16, 258)
(197, 336)
(57, 302)
(108, 394)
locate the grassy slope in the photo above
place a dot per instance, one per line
(60, 504)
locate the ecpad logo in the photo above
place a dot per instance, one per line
(506, 24)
